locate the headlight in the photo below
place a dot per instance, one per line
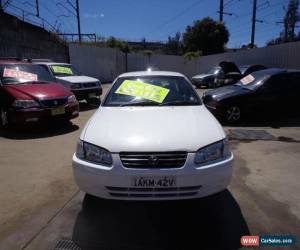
(213, 152)
(25, 104)
(92, 153)
(72, 99)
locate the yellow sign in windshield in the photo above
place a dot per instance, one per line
(62, 70)
(143, 90)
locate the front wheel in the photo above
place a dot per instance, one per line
(233, 114)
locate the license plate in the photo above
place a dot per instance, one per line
(92, 95)
(58, 111)
(154, 182)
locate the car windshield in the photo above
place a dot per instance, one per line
(253, 80)
(152, 91)
(64, 70)
(214, 70)
(23, 73)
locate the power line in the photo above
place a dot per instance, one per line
(181, 13)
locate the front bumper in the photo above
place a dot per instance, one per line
(116, 182)
(34, 115)
(86, 93)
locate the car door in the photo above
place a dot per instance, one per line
(293, 93)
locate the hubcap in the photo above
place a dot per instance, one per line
(233, 114)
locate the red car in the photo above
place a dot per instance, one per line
(28, 95)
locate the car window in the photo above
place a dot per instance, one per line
(278, 83)
(152, 91)
(22, 73)
(62, 70)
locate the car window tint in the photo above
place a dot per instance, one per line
(278, 83)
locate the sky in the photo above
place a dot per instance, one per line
(155, 20)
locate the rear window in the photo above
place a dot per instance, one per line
(152, 91)
(23, 73)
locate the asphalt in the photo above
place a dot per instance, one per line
(41, 204)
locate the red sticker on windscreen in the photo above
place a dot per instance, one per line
(19, 74)
(247, 79)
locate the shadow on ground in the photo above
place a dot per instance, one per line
(39, 131)
(268, 121)
(215, 222)
(84, 106)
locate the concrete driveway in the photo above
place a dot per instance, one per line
(41, 204)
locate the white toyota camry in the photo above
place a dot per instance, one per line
(152, 138)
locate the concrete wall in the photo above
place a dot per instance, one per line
(21, 39)
(102, 63)
(106, 63)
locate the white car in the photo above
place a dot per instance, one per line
(152, 139)
(84, 87)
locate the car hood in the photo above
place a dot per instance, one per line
(229, 67)
(38, 90)
(201, 76)
(225, 92)
(77, 79)
(152, 129)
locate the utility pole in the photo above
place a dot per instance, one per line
(253, 23)
(78, 20)
(221, 11)
(37, 8)
(1, 8)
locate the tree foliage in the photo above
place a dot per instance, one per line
(290, 20)
(174, 46)
(113, 42)
(205, 35)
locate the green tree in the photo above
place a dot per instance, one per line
(290, 20)
(174, 45)
(113, 42)
(205, 35)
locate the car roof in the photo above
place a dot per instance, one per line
(151, 73)
(249, 65)
(13, 62)
(273, 71)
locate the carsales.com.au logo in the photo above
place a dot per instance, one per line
(268, 240)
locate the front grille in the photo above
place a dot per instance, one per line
(89, 85)
(49, 103)
(153, 159)
(153, 192)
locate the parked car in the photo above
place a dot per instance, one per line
(226, 73)
(28, 94)
(84, 87)
(152, 138)
(248, 69)
(263, 92)
(206, 79)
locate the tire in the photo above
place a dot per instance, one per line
(3, 119)
(94, 101)
(232, 114)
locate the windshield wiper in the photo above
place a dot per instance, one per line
(137, 104)
(178, 103)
